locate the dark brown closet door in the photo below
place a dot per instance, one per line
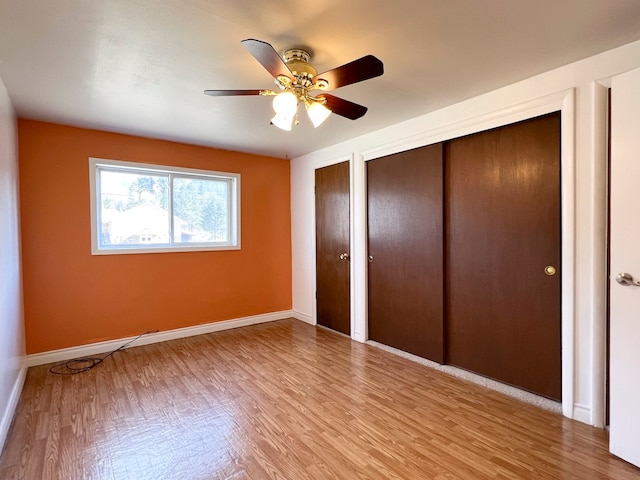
(332, 247)
(404, 214)
(502, 210)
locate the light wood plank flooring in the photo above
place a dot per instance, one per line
(285, 400)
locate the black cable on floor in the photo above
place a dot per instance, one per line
(84, 364)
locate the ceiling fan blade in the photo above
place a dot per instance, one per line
(353, 72)
(229, 93)
(267, 56)
(343, 107)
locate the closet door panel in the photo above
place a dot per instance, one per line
(502, 210)
(405, 229)
(332, 247)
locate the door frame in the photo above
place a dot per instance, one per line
(316, 166)
(564, 102)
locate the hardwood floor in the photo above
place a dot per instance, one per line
(285, 400)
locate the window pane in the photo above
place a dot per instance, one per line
(201, 210)
(133, 208)
(144, 208)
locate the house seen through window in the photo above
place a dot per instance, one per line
(138, 208)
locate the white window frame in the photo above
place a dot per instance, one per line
(95, 164)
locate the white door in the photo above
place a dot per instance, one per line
(625, 258)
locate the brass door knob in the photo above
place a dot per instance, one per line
(550, 270)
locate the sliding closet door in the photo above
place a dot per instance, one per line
(332, 247)
(404, 213)
(502, 210)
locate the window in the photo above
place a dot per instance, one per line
(140, 208)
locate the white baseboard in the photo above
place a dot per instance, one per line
(303, 317)
(64, 354)
(7, 415)
(582, 413)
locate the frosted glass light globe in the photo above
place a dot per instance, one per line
(282, 122)
(318, 113)
(285, 104)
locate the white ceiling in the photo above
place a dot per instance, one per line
(140, 66)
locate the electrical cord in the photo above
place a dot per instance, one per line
(84, 364)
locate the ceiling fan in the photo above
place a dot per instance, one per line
(296, 79)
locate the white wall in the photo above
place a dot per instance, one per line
(579, 91)
(12, 352)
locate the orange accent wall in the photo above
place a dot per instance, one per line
(73, 298)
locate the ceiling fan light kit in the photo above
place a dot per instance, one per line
(296, 78)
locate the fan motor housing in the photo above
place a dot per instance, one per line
(297, 60)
